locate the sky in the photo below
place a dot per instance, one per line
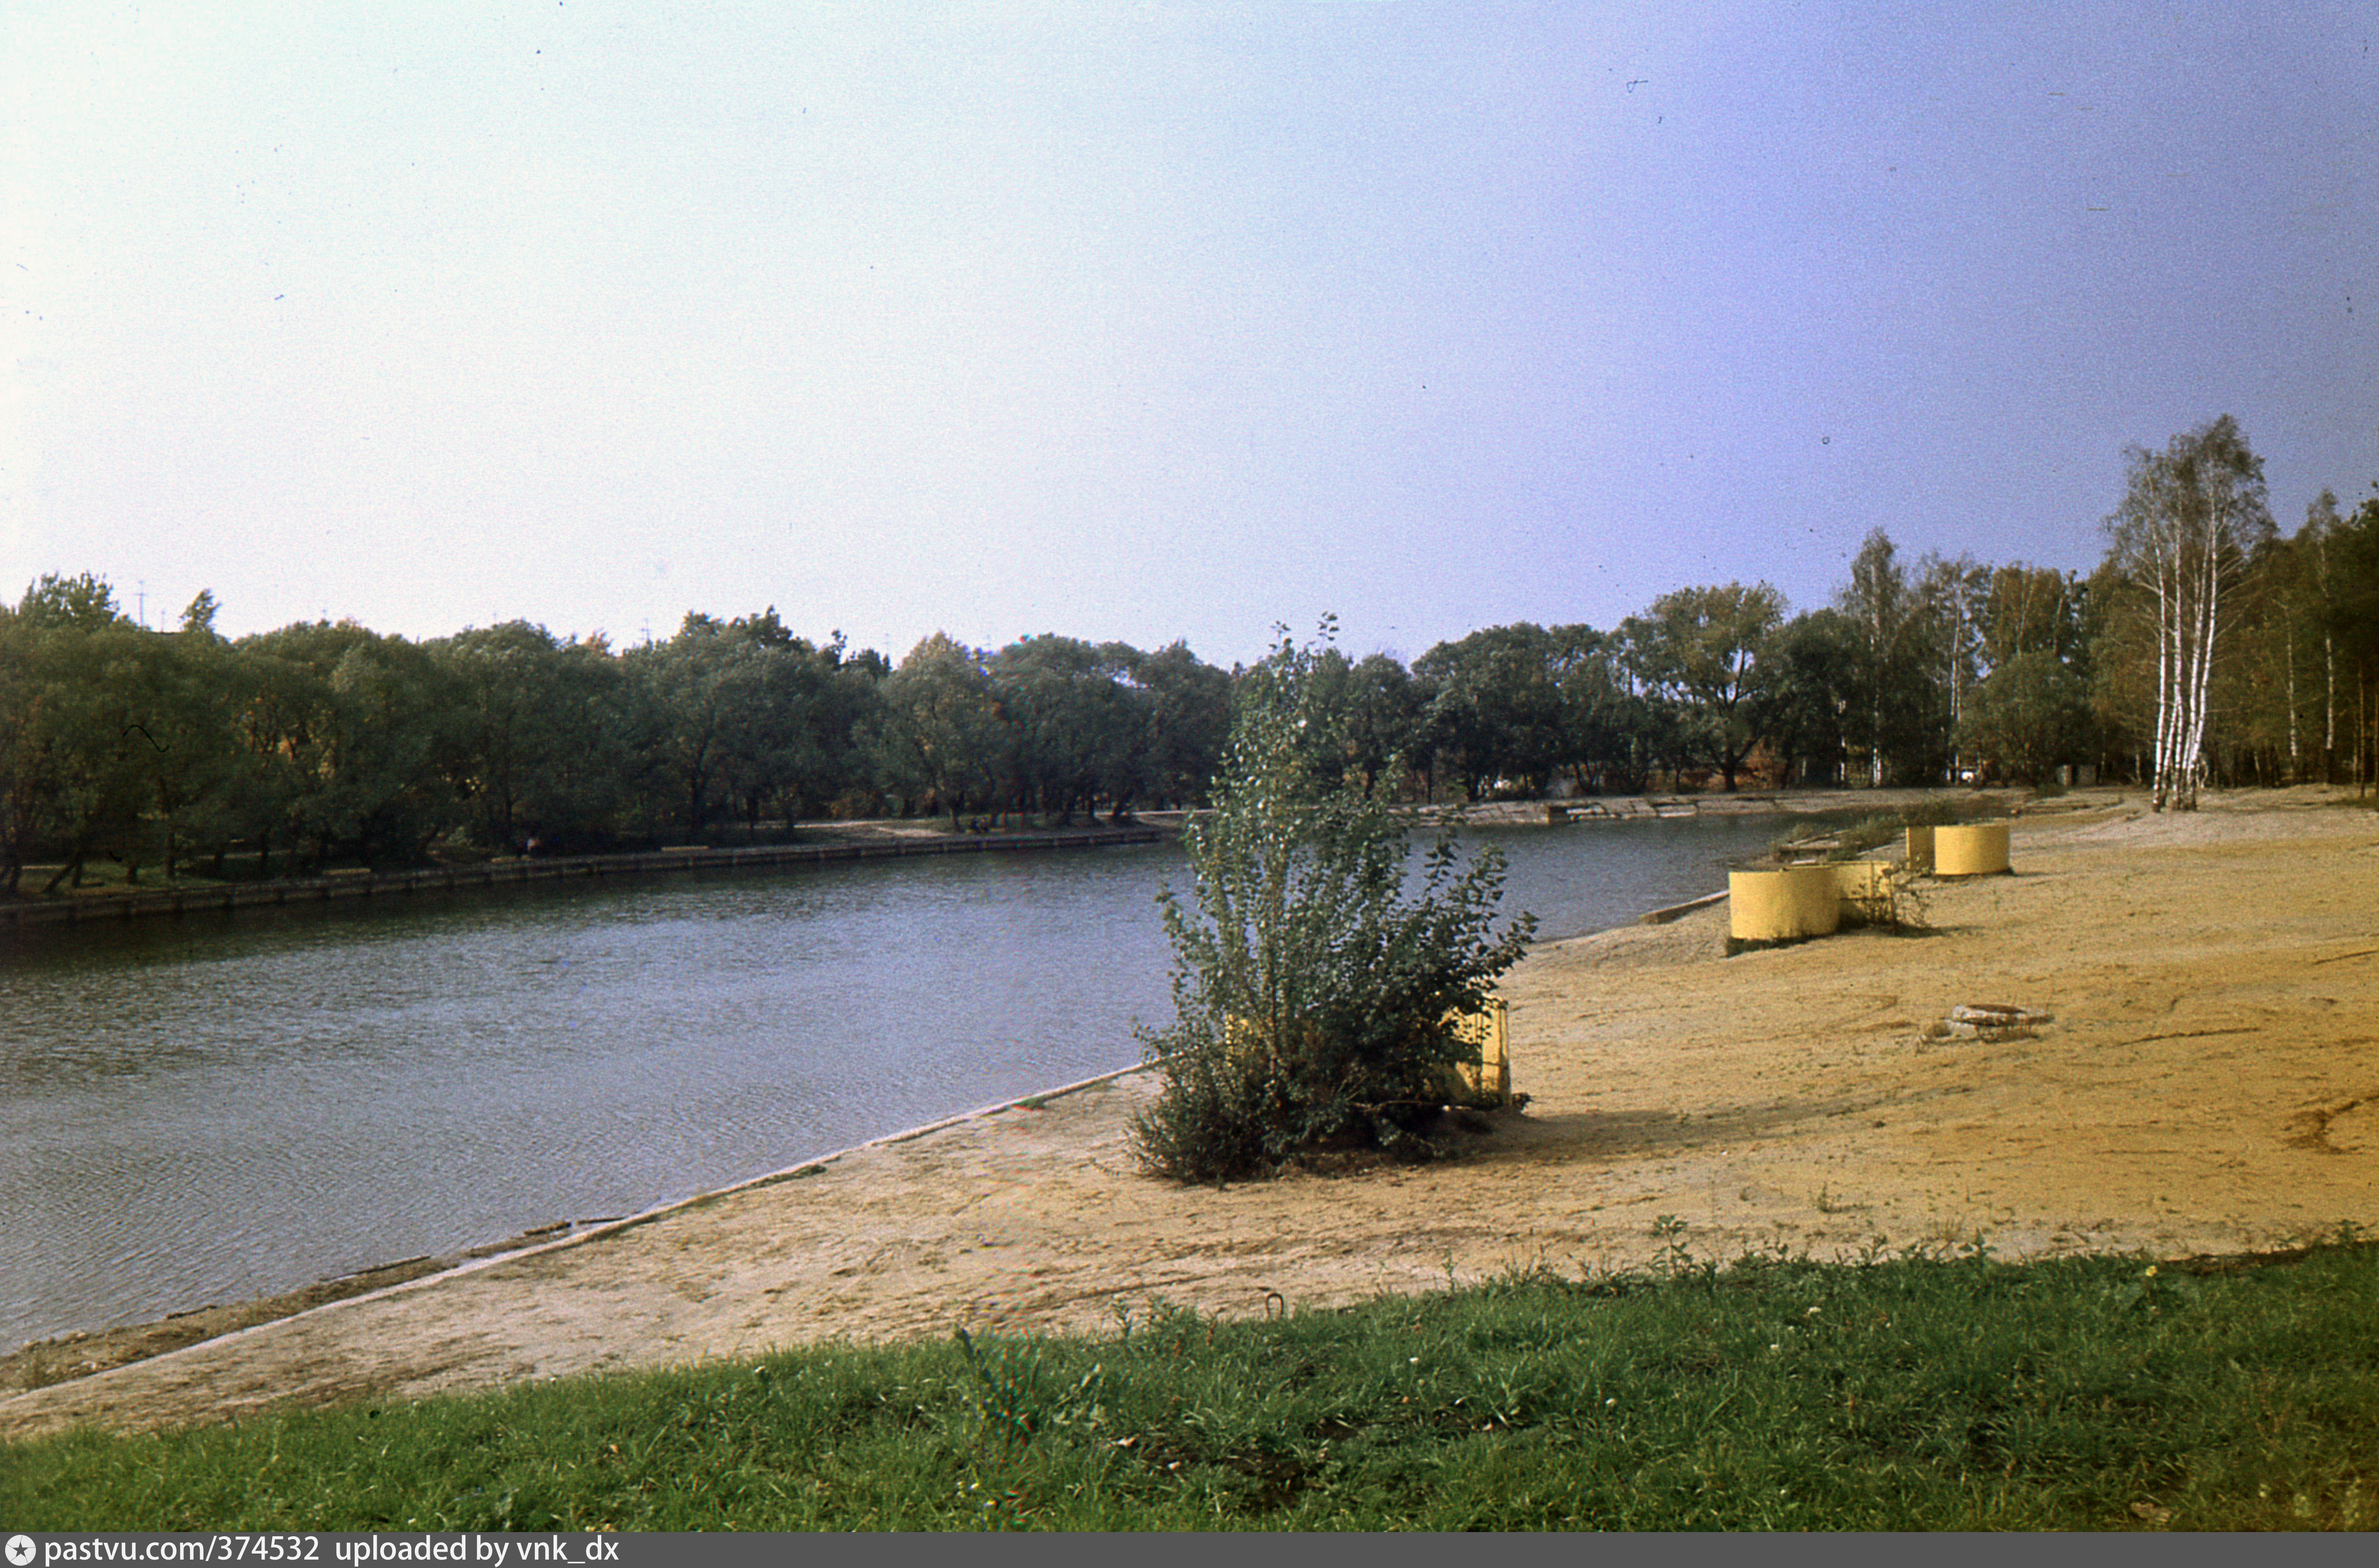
(1149, 321)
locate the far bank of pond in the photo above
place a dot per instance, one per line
(195, 896)
(823, 843)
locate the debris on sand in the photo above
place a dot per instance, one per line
(1988, 1021)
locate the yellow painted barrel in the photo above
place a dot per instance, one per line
(1920, 849)
(1490, 1030)
(1865, 888)
(1489, 1082)
(1784, 905)
(1976, 848)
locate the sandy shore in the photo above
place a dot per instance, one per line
(2210, 1083)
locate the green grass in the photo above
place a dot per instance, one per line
(1928, 1392)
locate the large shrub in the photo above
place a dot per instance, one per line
(1316, 966)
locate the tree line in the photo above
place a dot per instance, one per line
(2208, 647)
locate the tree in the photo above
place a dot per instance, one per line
(2352, 620)
(1188, 717)
(747, 712)
(1879, 604)
(2190, 517)
(939, 732)
(1312, 994)
(2029, 714)
(192, 765)
(541, 757)
(1383, 719)
(1702, 649)
(1495, 703)
(28, 798)
(356, 732)
(92, 679)
(1951, 595)
(2318, 583)
(1075, 725)
(1819, 669)
(2031, 711)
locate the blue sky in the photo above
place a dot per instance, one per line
(1149, 321)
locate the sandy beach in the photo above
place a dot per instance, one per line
(2208, 1083)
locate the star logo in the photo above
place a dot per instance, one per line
(20, 1551)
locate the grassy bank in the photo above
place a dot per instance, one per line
(1920, 1392)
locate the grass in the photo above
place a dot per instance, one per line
(1930, 1392)
(1854, 833)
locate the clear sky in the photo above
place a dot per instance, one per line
(1147, 321)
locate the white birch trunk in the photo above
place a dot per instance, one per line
(2329, 707)
(2167, 623)
(2202, 683)
(2296, 753)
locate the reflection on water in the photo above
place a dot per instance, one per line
(229, 1104)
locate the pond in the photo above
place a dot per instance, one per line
(221, 1106)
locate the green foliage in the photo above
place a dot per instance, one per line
(2030, 715)
(1934, 1391)
(1496, 702)
(1312, 994)
(1706, 650)
(1811, 707)
(937, 731)
(334, 744)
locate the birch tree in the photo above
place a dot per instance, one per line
(1954, 599)
(2191, 514)
(1878, 600)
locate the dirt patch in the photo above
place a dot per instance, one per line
(2202, 1086)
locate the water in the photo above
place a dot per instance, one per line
(226, 1105)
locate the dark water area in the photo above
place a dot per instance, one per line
(221, 1106)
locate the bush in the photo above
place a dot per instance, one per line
(1313, 1000)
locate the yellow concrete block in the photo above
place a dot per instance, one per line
(1976, 848)
(1490, 1030)
(1784, 905)
(1865, 888)
(1920, 849)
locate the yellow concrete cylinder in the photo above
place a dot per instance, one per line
(1784, 906)
(1490, 1028)
(1865, 888)
(1976, 848)
(1920, 849)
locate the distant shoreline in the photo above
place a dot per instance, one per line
(82, 908)
(831, 843)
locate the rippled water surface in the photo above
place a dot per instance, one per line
(224, 1106)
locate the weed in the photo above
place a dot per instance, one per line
(1674, 1255)
(1017, 1396)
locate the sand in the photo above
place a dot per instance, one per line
(2209, 1083)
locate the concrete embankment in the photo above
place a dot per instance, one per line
(490, 873)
